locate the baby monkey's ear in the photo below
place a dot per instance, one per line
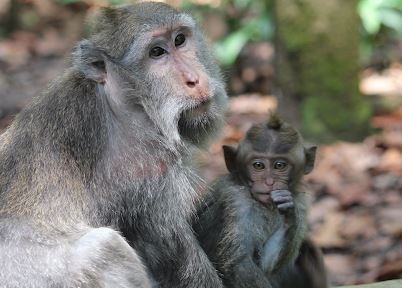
(230, 154)
(90, 60)
(310, 158)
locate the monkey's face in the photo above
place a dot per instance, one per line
(269, 170)
(180, 83)
(270, 157)
(151, 56)
(178, 72)
(266, 173)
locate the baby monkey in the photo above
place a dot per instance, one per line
(254, 221)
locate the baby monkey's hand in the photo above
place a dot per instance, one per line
(283, 200)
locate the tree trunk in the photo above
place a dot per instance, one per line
(317, 68)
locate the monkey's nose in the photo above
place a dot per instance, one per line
(269, 181)
(197, 86)
(191, 79)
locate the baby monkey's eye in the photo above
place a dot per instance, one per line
(258, 165)
(280, 165)
(179, 40)
(156, 52)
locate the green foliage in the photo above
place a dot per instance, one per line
(229, 47)
(247, 20)
(66, 2)
(381, 25)
(28, 19)
(377, 13)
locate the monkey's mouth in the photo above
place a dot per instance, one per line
(264, 197)
(198, 110)
(199, 121)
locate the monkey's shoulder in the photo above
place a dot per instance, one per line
(227, 190)
(238, 206)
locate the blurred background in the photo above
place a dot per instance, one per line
(333, 68)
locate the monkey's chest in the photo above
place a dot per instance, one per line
(271, 241)
(270, 250)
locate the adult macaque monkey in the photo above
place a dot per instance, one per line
(255, 220)
(103, 153)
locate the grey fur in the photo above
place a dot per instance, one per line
(88, 163)
(235, 230)
(255, 243)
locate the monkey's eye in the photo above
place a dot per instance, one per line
(157, 52)
(179, 40)
(100, 65)
(280, 165)
(258, 165)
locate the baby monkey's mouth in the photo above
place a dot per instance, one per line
(264, 197)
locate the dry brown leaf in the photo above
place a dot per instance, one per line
(390, 270)
(16, 50)
(359, 224)
(392, 138)
(390, 219)
(328, 234)
(375, 245)
(391, 160)
(252, 103)
(340, 268)
(320, 209)
(344, 170)
(393, 119)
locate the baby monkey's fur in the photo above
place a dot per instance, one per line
(254, 221)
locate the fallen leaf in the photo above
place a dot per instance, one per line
(359, 224)
(391, 161)
(340, 268)
(390, 219)
(327, 234)
(252, 103)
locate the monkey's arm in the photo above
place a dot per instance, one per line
(205, 276)
(246, 274)
(99, 258)
(308, 271)
(176, 260)
(104, 257)
(292, 206)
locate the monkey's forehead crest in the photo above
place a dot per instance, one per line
(170, 23)
(274, 121)
(157, 14)
(263, 137)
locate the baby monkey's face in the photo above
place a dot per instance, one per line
(270, 158)
(266, 173)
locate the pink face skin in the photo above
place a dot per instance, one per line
(174, 53)
(267, 174)
(268, 171)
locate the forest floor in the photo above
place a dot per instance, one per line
(356, 188)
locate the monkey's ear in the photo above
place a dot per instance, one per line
(230, 154)
(310, 158)
(90, 60)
